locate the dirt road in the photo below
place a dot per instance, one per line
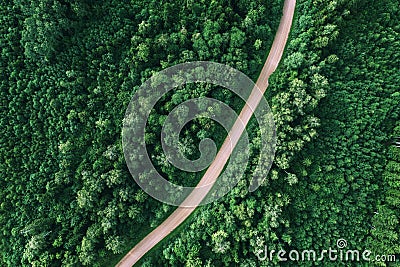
(212, 173)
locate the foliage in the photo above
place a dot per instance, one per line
(69, 69)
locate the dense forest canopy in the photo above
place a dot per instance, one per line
(69, 69)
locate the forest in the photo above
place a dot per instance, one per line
(69, 69)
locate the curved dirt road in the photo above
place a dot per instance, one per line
(212, 173)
